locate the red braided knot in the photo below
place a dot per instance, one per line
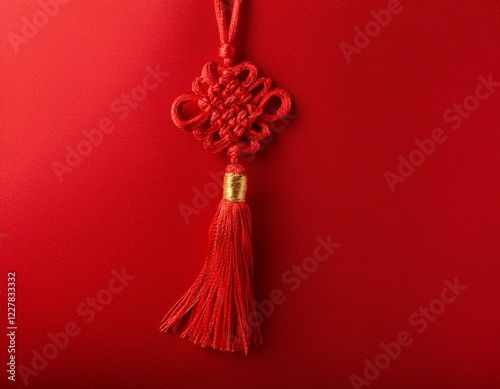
(234, 108)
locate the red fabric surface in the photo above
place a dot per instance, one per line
(388, 253)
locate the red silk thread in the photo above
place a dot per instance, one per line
(227, 36)
(235, 113)
(234, 103)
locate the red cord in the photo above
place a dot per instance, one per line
(219, 310)
(234, 109)
(227, 49)
(234, 103)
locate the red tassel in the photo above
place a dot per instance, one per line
(218, 310)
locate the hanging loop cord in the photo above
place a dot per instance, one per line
(227, 49)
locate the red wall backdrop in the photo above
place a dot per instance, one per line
(357, 117)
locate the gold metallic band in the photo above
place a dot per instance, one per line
(235, 186)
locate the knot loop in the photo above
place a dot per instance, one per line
(234, 108)
(227, 51)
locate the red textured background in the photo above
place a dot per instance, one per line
(322, 175)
